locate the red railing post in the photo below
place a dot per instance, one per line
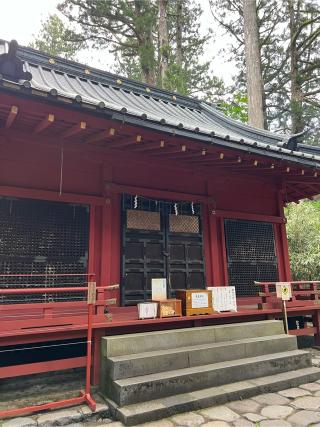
(85, 396)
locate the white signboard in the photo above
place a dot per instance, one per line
(147, 310)
(224, 298)
(283, 290)
(199, 300)
(159, 289)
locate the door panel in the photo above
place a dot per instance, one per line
(160, 239)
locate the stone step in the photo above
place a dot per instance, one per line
(138, 343)
(151, 362)
(153, 386)
(155, 409)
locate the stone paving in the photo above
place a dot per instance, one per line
(296, 407)
(293, 407)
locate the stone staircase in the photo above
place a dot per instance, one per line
(148, 376)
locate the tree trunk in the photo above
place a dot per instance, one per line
(163, 41)
(179, 55)
(253, 64)
(297, 122)
(146, 50)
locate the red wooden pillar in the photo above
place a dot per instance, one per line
(92, 232)
(217, 260)
(207, 244)
(105, 280)
(96, 356)
(224, 260)
(279, 252)
(105, 266)
(282, 233)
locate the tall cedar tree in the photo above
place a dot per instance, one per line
(127, 27)
(156, 41)
(289, 57)
(55, 39)
(253, 64)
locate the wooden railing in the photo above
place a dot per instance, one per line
(304, 293)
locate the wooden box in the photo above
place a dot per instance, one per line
(195, 301)
(169, 308)
(147, 310)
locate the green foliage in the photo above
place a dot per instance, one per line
(55, 39)
(276, 58)
(303, 229)
(129, 28)
(237, 107)
(192, 76)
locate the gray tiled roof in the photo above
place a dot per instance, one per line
(151, 105)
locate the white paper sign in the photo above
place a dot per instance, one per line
(159, 289)
(224, 298)
(147, 310)
(284, 291)
(199, 300)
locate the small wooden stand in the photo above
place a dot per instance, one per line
(169, 308)
(195, 301)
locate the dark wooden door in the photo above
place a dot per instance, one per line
(160, 239)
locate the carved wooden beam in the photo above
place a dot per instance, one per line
(101, 136)
(11, 116)
(74, 130)
(44, 124)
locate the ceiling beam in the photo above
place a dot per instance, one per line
(171, 150)
(150, 146)
(74, 130)
(101, 136)
(44, 124)
(11, 116)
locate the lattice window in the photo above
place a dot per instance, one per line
(143, 220)
(184, 224)
(251, 254)
(42, 237)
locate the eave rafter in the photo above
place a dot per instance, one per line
(14, 110)
(44, 124)
(177, 150)
(74, 130)
(105, 135)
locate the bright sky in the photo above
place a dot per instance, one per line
(21, 20)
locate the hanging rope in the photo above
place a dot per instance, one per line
(61, 169)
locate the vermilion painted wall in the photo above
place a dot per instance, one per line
(32, 166)
(33, 162)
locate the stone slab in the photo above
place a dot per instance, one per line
(63, 417)
(19, 422)
(294, 392)
(216, 424)
(311, 387)
(271, 399)
(160, 423)
(274, 423)
(255, 418)
(137, 343)
(134, 390)
(242, 422)
(220, 413)
(133, 365)
(188, 419)
(243, 406)
(307, 402)
(142, 412)
(304, 418)
(276, 411)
